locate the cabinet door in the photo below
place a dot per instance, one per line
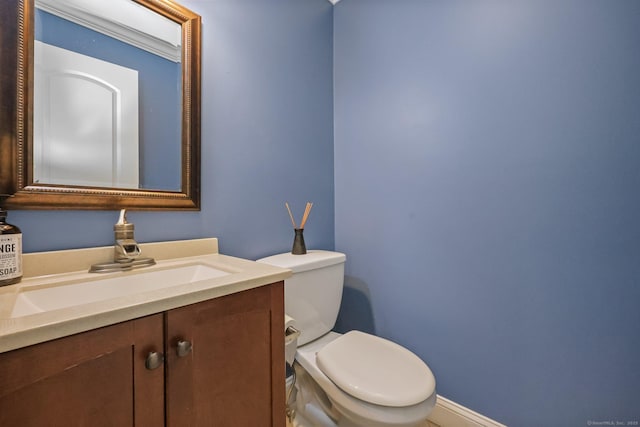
(95, 378)
(234, 373)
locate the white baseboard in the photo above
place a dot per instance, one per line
(449, 414)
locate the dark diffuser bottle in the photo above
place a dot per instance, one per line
(10, 251)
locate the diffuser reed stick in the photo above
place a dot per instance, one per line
(305, 216)
(290, 214)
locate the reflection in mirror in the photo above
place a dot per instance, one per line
(83, 81)
(107, 92)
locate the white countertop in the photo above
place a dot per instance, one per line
(45, 269)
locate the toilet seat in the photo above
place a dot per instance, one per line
(358, 410)
(376, 370)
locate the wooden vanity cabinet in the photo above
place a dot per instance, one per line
(223, 366)
(96, 378)
(234, 373)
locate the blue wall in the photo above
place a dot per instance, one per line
(487, 169)
(487, 196)
(267, 138)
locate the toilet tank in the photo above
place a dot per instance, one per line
(312, 295)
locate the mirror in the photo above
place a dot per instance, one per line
(91, 84)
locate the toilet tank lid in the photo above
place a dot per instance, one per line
(310, 261)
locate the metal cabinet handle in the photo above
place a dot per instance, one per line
(154, 360)
(183, 348)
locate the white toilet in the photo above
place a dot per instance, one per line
(350, 380)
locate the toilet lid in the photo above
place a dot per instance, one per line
(376, 370)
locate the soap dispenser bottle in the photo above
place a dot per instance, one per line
(10, 251)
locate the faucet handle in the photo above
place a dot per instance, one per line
(123, 217)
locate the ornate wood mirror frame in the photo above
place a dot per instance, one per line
(16, 122)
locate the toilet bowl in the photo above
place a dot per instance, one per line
(408, 403)
(350, 380)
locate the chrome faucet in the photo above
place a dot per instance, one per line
(126, 255)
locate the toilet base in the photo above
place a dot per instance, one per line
(302, 407)
(312, 408)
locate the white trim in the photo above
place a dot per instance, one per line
(450, 414)
(127, 22)
(334, 1)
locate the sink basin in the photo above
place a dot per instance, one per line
(76, 292)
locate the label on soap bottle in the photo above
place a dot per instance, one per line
(10, 257)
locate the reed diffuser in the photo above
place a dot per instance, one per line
(299, 247)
